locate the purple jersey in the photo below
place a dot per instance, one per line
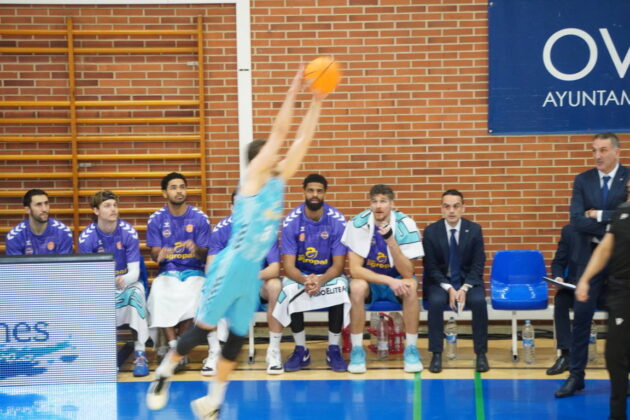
(167, 231)
(56, 239)
(221, 235)
(123, 243)
(314, 243)
(377, 259)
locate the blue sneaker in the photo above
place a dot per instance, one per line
(357, 360)
(140, 365)
(299, 359)
(412, 359)
(334, 359)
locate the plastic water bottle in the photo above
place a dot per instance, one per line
(398, 329)
(382, 339)
(451, 339)
(592, 343)
(374, 327)
(529, 354)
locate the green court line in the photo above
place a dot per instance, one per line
(481, 412)
(417, 397)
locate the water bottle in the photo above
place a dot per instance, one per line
(398, 332)
(373, 327)
(382, 339)
(451, 339)
(529, 353)
(592, 343)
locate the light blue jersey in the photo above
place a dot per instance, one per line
(233, 283)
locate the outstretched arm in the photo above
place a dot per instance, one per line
(303, 139)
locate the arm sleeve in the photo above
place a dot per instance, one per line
(133, 273)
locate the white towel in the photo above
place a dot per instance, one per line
(293, 298)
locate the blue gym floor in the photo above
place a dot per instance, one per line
(318, 399)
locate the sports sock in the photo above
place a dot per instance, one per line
(213, 342)
(300, 338)
(412, 339)
(274, 339)
(333, 338)
(356, 340)
(138, 346)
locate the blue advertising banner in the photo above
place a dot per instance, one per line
(559, 66)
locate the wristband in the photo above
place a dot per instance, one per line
(388, 234)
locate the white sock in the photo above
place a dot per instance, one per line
(356, 340)
(166, 368)
(333, 338)
(213, 342)
(412, 339)
(172, 344)
(216, 392)
(300, 339)
(274, 339)
(138, 346)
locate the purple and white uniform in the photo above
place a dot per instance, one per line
(131, 307)
(56, 239)
(175, 292)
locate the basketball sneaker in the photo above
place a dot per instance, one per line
(210, 364)
(140, 365)
(181, 365)
(357, 360)
(157, 395)
(204, 410)
(300, 358)
(274, 361)
(334, 359)
(412, 359)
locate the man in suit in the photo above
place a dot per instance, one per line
(565, 268)
(596, 194)
(453, 272)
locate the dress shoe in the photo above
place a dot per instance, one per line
(561, 365)
(482, 363)
(570, 387)
(436, 363)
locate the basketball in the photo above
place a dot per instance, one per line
(325, 74)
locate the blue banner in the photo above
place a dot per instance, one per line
(559, 66)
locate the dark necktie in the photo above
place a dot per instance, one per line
(453, 260)
(605, 191)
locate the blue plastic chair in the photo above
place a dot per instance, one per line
(516, 283)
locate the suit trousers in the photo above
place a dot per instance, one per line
(475, 300)
(618, 350)
(563, 302)
(582, 320)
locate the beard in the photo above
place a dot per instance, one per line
(314, 205)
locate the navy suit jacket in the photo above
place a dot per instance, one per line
(587, 196)
(564, 262)
(436, 253)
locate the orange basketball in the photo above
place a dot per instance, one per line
(325, 74)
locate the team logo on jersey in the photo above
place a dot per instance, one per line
(50, 245)
(119, 245)
(311, 252)
(189, 228)
(179, 247)
(302, 237)
(381, 258)
(324, 235)
(28, 251)
(166, 233)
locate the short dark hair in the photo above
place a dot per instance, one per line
(101, 197)
(382, 189)
(253, 149)
(315, 178)
(173, 175)
(614, 140)
(454, 192)
(28, 197)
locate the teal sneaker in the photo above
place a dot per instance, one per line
(412, 359)
(357, 360)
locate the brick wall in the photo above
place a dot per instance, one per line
(412, 110)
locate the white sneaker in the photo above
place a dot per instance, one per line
(204, 410)
(274, 361)
(157, 395)
(210, 364)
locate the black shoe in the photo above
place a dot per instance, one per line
(570, 387)
(436, 363)
(561, 365)
(482, 363)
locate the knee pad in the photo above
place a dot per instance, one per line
(191, 339)
(232, 347)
